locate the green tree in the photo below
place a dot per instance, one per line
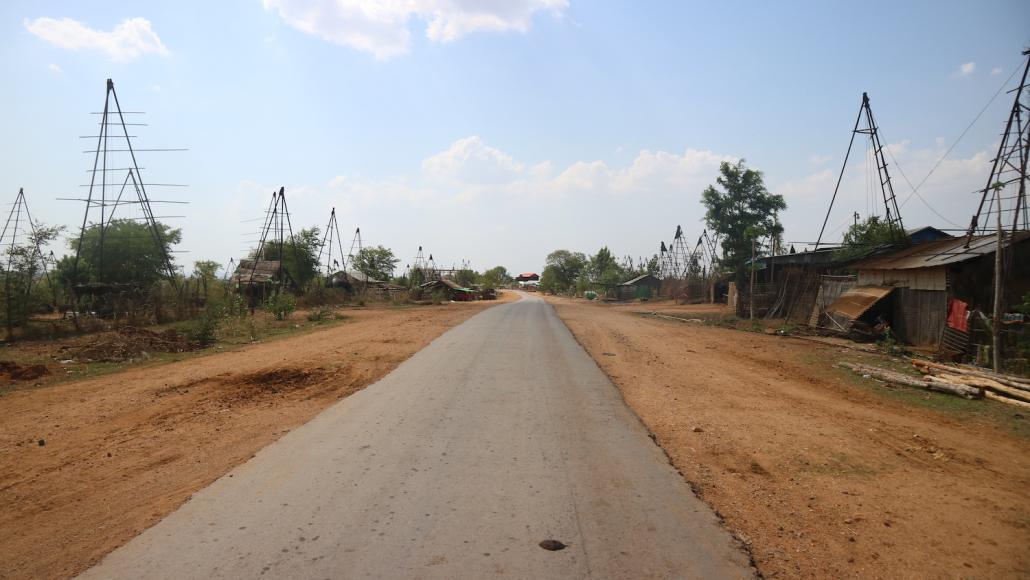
(741, 210)
(863, 237)
(604, 270)
(378, 263)
(23, 270)
(205, 271)
(495, 277)
(549, 280)
(653, 266)
(129, 254)
(466, 277)
(299, 255)
(567, 267)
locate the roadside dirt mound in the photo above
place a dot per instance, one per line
(282, 379)
(131, 342)
(17, 372)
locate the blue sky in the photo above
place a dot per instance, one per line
(496, 131)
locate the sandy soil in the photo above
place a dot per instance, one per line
(87, 465)
(824, 474)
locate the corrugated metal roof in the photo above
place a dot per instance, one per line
(937, 253)
(637, 279)
(855, 302)
(262, 271)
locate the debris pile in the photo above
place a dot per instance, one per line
(130, 342)
(18, 372)
(962, 380)
(1000, 387)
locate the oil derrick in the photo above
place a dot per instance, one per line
(663, 267)
(114, 156)
(270, 255)
(680, 255)
(25, 258)
(706, 252)
(355, 244)
(331, 237)
(431, 272)
(892, 216)
(229, 269)
(1003, 200)
(418, 274)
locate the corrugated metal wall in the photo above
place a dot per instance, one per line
(919, 315)
(916, 278)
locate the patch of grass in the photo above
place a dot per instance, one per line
(999, 415)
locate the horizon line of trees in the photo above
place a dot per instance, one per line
(126, 254)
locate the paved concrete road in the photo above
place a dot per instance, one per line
(500, 434)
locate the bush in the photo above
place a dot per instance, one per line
(438, 297)
(281, 306)
(203, 330)
(321, 314)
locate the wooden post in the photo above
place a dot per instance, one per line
(998, 300)
(751, 290)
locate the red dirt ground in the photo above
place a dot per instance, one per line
(822, 473)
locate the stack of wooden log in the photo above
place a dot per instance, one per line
(999, 387)
(964, 381)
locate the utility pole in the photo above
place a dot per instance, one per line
(751, 290)
(998, 300)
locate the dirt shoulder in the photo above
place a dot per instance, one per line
(121, 451)
(824, 474)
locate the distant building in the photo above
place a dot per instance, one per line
(527, 277)
(639, 288)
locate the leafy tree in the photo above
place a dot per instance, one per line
(131, 254)
(23, 267)
(495, 277)
(205, 271)
(299, 255)
(864, 236)
(653, 266)
(465, 277)
(740, 210)
(604, 269)
(549, 280)
(378, 263)
(566, 269)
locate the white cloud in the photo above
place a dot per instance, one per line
(471, 161)
(470, 168)
(965, 69)
(381, 27)
(995, 71)
(55, 69)
(131, 39)
(816, 159)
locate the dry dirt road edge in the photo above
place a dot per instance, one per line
(821, 476)
(123, 450)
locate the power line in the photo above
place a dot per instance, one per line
(915, 189)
